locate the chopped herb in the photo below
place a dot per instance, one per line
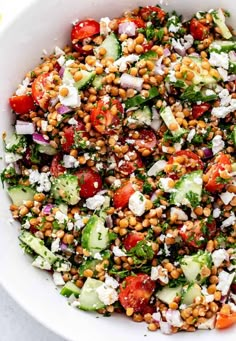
(193, 198)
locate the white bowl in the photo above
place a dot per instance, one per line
(43, 25)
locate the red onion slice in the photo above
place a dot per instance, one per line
(109, 221)
(24, 128)
(63, 109)
(127, 81)
(39, 139)
(207, 153)
(47, 209)
(166, 52)
(61, 72)
(128, 28)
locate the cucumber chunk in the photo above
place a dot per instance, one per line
(37, 245)
(112, 45)
(141, 117)
(97, 82)
(192, 265)
(15, 143)
(47, 149)
(219, 20)
(19, 194)
(70, 289)
(149, 55)
(95, 235)
(222, 46)
(88, 298)
(190, 293)
(137, 100)
(81, 84)
(66, 187)
(169, 119)
(167, 294)
(234, 135)
(191, 182)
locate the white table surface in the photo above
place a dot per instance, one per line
(15, 323)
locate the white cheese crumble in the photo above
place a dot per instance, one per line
(219, 256)
(73, 121)
(164, 184)
(55, 246)
(208, 297)
(118, 252)
(22, 89)
(191, 135)
(107, 294)
(58, 279)
(208, 324)
(104, 26)
(58, 52)
(229, 221)
(12, 157)
(72, 99)
(225, 280)
(95, 202)
(70, 161)
(165, 327)
(116, 183)
(78, 223)
(158, 272)
(216, 212)
(181, 215)
(157, 168)
(226, 197)
(97, 255)
(137, 203)
(111, 282)
(61, 217)
(219, 60)
(217, 144)
(41, 263)
(173, 318)
(123, 62)
(61, 60)
(42, 179)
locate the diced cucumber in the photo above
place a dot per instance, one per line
(19, 194)
(37, 245)
(112, 45)
(219, 20)
(191, 182)
(149, 55)
(70, 289)
(66, 187)
(167, 294)
(137, 100)
(200, 78)
(169, 119)
(95, 235)
(47, 149)
(190, 292)
(192, 265)
(141, 117)
(97, 82)
(234, 135)
(88, 298)
(81, 84)
(89, 264)
(15, 143)
(222, 46)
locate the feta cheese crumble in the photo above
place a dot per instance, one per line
(95, 202)
(72, 99)
(158, 272)
(219, 256)
(137, 203)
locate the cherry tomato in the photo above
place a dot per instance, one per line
(183, 158)
(79, 47)
(56, 167)
(84, 29)
(132, 239)
(22, 104)
(147, 46)
(90, 182)
(221, 163)
(127, 167)
(199, 109)
(198, 30)
(136, 291)
(40, 87)
(196, 234)
(137, 21)
(122, 195)
(73, 133)
(225, 321)
(105, 117)
(145, 12)
(147, 139)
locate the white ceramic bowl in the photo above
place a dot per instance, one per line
(43, 25)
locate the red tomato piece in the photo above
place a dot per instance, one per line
(22, 104)
(127, 167)
(137, 21)
(40, 87)
(132, 239)
(147, 46)
(56, 167)
(105, 117)
(136, 291)
(198, 30)
(145, 12)
(225, 321)
(183, 158)
(90, 182)
(147, 139)
(122, 195)
(221, 163)
(84, 29)
(73, 133)
(199, 109)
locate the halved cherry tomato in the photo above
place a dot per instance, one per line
(56, 167)
(84, 29)
(183, 158)
(147, 46)
(199, 109)
(147, 139)
(22, 104)
(145, 12)
(132, 239)
(198, 30)
(136, 291)
(122, 195)
(90, 182)
(137, 21)
(106, 117)
(73, 133)
(221, 163)
(40, 87)
(225, 321)
(195, 234)
(127, 167)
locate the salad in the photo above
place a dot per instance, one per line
(121, 168)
